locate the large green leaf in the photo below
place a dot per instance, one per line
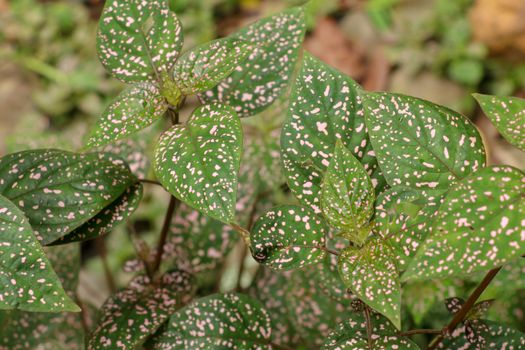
(371, 273)
(133, 110)
(479, 226)
(347, 195)
(60, 191)
(261, 78)
(219, 321)
(198, 162)
(131, 315)
(138, 39)
(288, 237)
(352, 335)
(325, 106)
(419, 144)
(27, 279)
(205, 66)
(508, 115)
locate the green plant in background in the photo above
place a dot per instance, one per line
(390, 190)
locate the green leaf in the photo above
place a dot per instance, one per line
(421, 145)
(325, 106)
(498, 336)
(371, 273)
(198, 162)
(23, 330)
(479, 226)
(111, 216)
(138, 39)
(404, 217)
(352, 335)
(347, 195)
(508, 115)
(219, 321)
(134, 109)
(131, 315)
(288, 237)
(205, 66)
(28, 281)
(60, 191)
(261, 78)
(133, 152)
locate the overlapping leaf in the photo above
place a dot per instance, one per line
(60, 191)
(198, 162)
(421, 145)
(133, 110)
(371, 273)
(347, 195)
(497, 336)
(261, 78)
(288, 237)
(205, 66)
(133, 314)
(28, 280)
(219, 321)
(508, 115)
(352, 335)
(138, 39)
(325, 106)
(479, 226)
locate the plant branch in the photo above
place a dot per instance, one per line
(328, 250)
(174, 202)
(465, 308)
(100, 244)
(368, 326)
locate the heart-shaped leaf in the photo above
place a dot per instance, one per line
(133, 110)
(198, 162)
(507, 114)
(347, 195)
(28, 280)
(261, 78)
(205, 66)
(138, 40)
(228, 321)
(60, 191)
(325, 106)
(288, 237)
(421, 145)
(352, 335)
(479, 226)
(131, 315)
(371, 273)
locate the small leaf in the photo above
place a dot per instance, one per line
(479, 226)
(60, 191)
(111, 216)
(138, 39)
(454, 304)
(347, 195)
(219, 321)
(288, 237)
(198, 162)
(325, 107)
(133, 110)
(371, 273)
(261, 78)
(508, 115)
(29, 282)
(352, 335)
(421, 145)
(205, 66)
(131, 315)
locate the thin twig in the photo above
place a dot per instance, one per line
(419, 331)
(164, 233)
(465, 308)
(328, 250)
(368, 327)
(100, 244)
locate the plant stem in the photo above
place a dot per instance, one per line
(419, 331)
(153, 182)
(328, 250)
(100, 244)
(368, 327)
(174, 202)
(141, 249)
(460, 315)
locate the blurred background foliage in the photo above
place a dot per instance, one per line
(52, 89)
